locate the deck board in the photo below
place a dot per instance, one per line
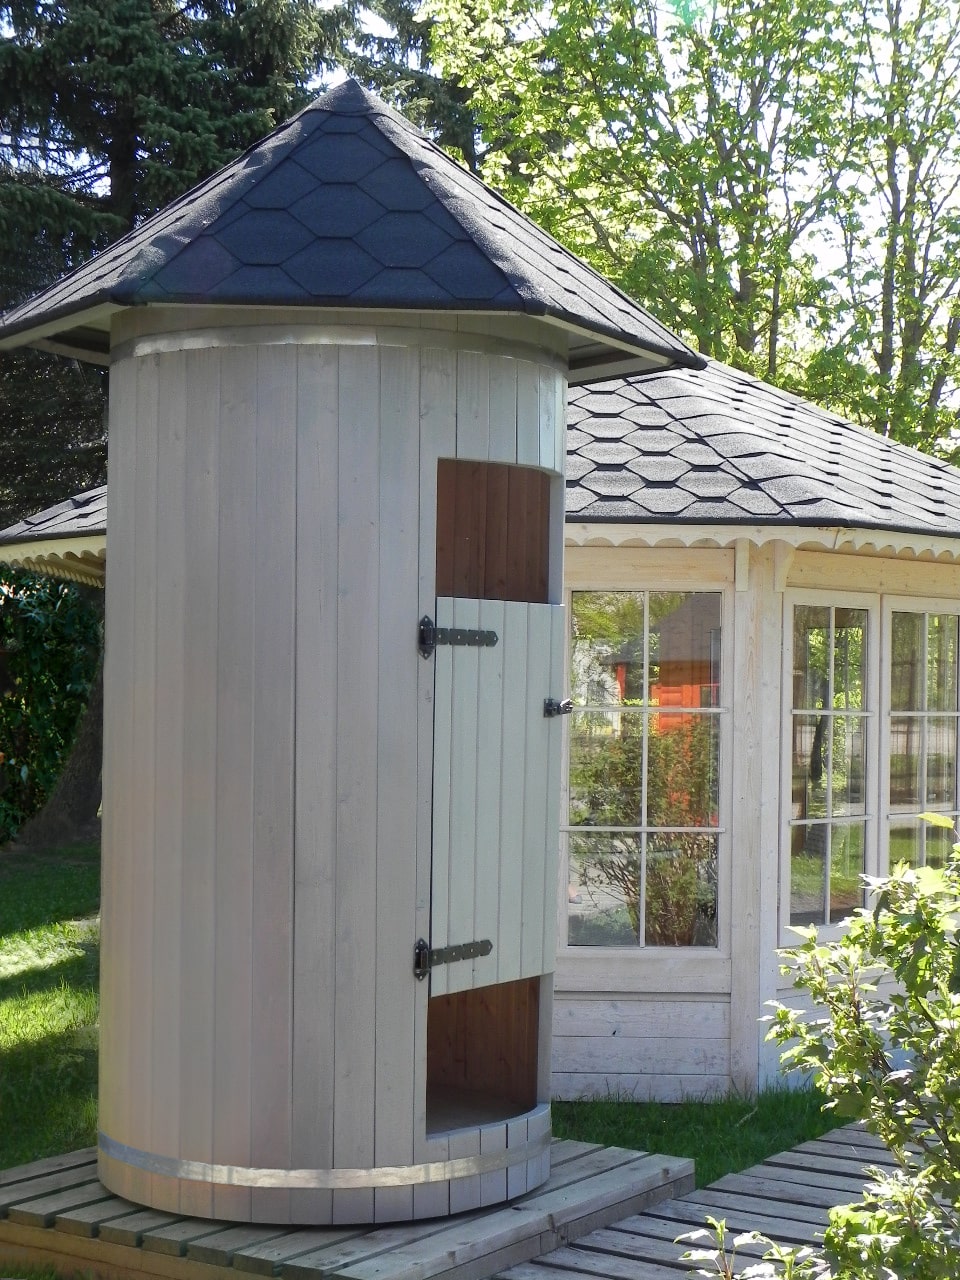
(786, 1198)
(48, 1216)
(606, 1213)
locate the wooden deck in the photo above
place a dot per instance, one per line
(786, 1198)
(56, 1212)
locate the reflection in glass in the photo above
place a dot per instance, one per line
(848, 759)
(905, 845)
(810, 766)
(683, 771)
(937, 843)
(846, 868)
(906, 662)
(644, 763)
(906, 744)
(683, 664)
(849, 658)
(941, 760)
(680, 898)
(607, 647)
(606, 768)
(942, 662)
(604, 891)
(808, 873)
(811, 656)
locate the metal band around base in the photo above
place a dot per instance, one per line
(232, 1175)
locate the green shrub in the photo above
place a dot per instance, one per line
(50, 640)
(885, 1048)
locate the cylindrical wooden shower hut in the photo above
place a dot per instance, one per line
(334, 651)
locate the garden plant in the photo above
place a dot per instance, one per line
(883, 1048)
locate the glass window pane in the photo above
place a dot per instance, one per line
(942, 662)
(941, 786)
(811, 656)
(808, 869)
(906, 683)
(682, 771)
(680, 891)
(605, 768)
(810, 771)
(684, 662)
(846, 868)
(906, 736)
(848, 761)
(905, 841)
(604, 891)
(849, 658)
(937, 842)
(606, 652)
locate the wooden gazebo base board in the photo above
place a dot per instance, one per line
(56, 1213)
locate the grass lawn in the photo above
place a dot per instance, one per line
(49, 938)
(49, 950)
(722, 1137)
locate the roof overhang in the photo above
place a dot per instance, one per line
(79, 558)
(873, 542)
(87, 336)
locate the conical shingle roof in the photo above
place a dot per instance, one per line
(347, 205)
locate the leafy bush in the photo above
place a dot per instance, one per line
(50, 641)
(886, 1050)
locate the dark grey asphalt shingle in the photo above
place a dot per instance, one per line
(83, 514)
(714, 445)
(346, 205)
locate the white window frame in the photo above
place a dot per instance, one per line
(871, 603)
(651, 968)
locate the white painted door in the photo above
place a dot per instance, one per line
(496, 781)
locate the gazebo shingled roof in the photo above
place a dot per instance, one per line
(66, 540)
(710, 446)
(717, 446)
(347, 205)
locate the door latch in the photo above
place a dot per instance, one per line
(553, 707)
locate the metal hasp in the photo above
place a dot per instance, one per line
(429, 635)
(425, 959)
(553, 707)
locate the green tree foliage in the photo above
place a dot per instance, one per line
(50, 639)
(779, 182)
(108, 110)
(391, 54)
(677, 150)
(893, 358)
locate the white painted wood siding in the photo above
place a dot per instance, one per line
(269, 749)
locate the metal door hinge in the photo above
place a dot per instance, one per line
(429, 635)
(425, 958)
(553, 707)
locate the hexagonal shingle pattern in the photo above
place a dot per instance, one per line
(347, 204)
(777, 460)
(716, 446)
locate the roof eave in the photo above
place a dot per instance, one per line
(73, 558)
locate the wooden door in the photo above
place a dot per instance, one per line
(496, 765)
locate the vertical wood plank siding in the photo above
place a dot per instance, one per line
(267, 840)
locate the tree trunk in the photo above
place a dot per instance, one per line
(70, 813)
